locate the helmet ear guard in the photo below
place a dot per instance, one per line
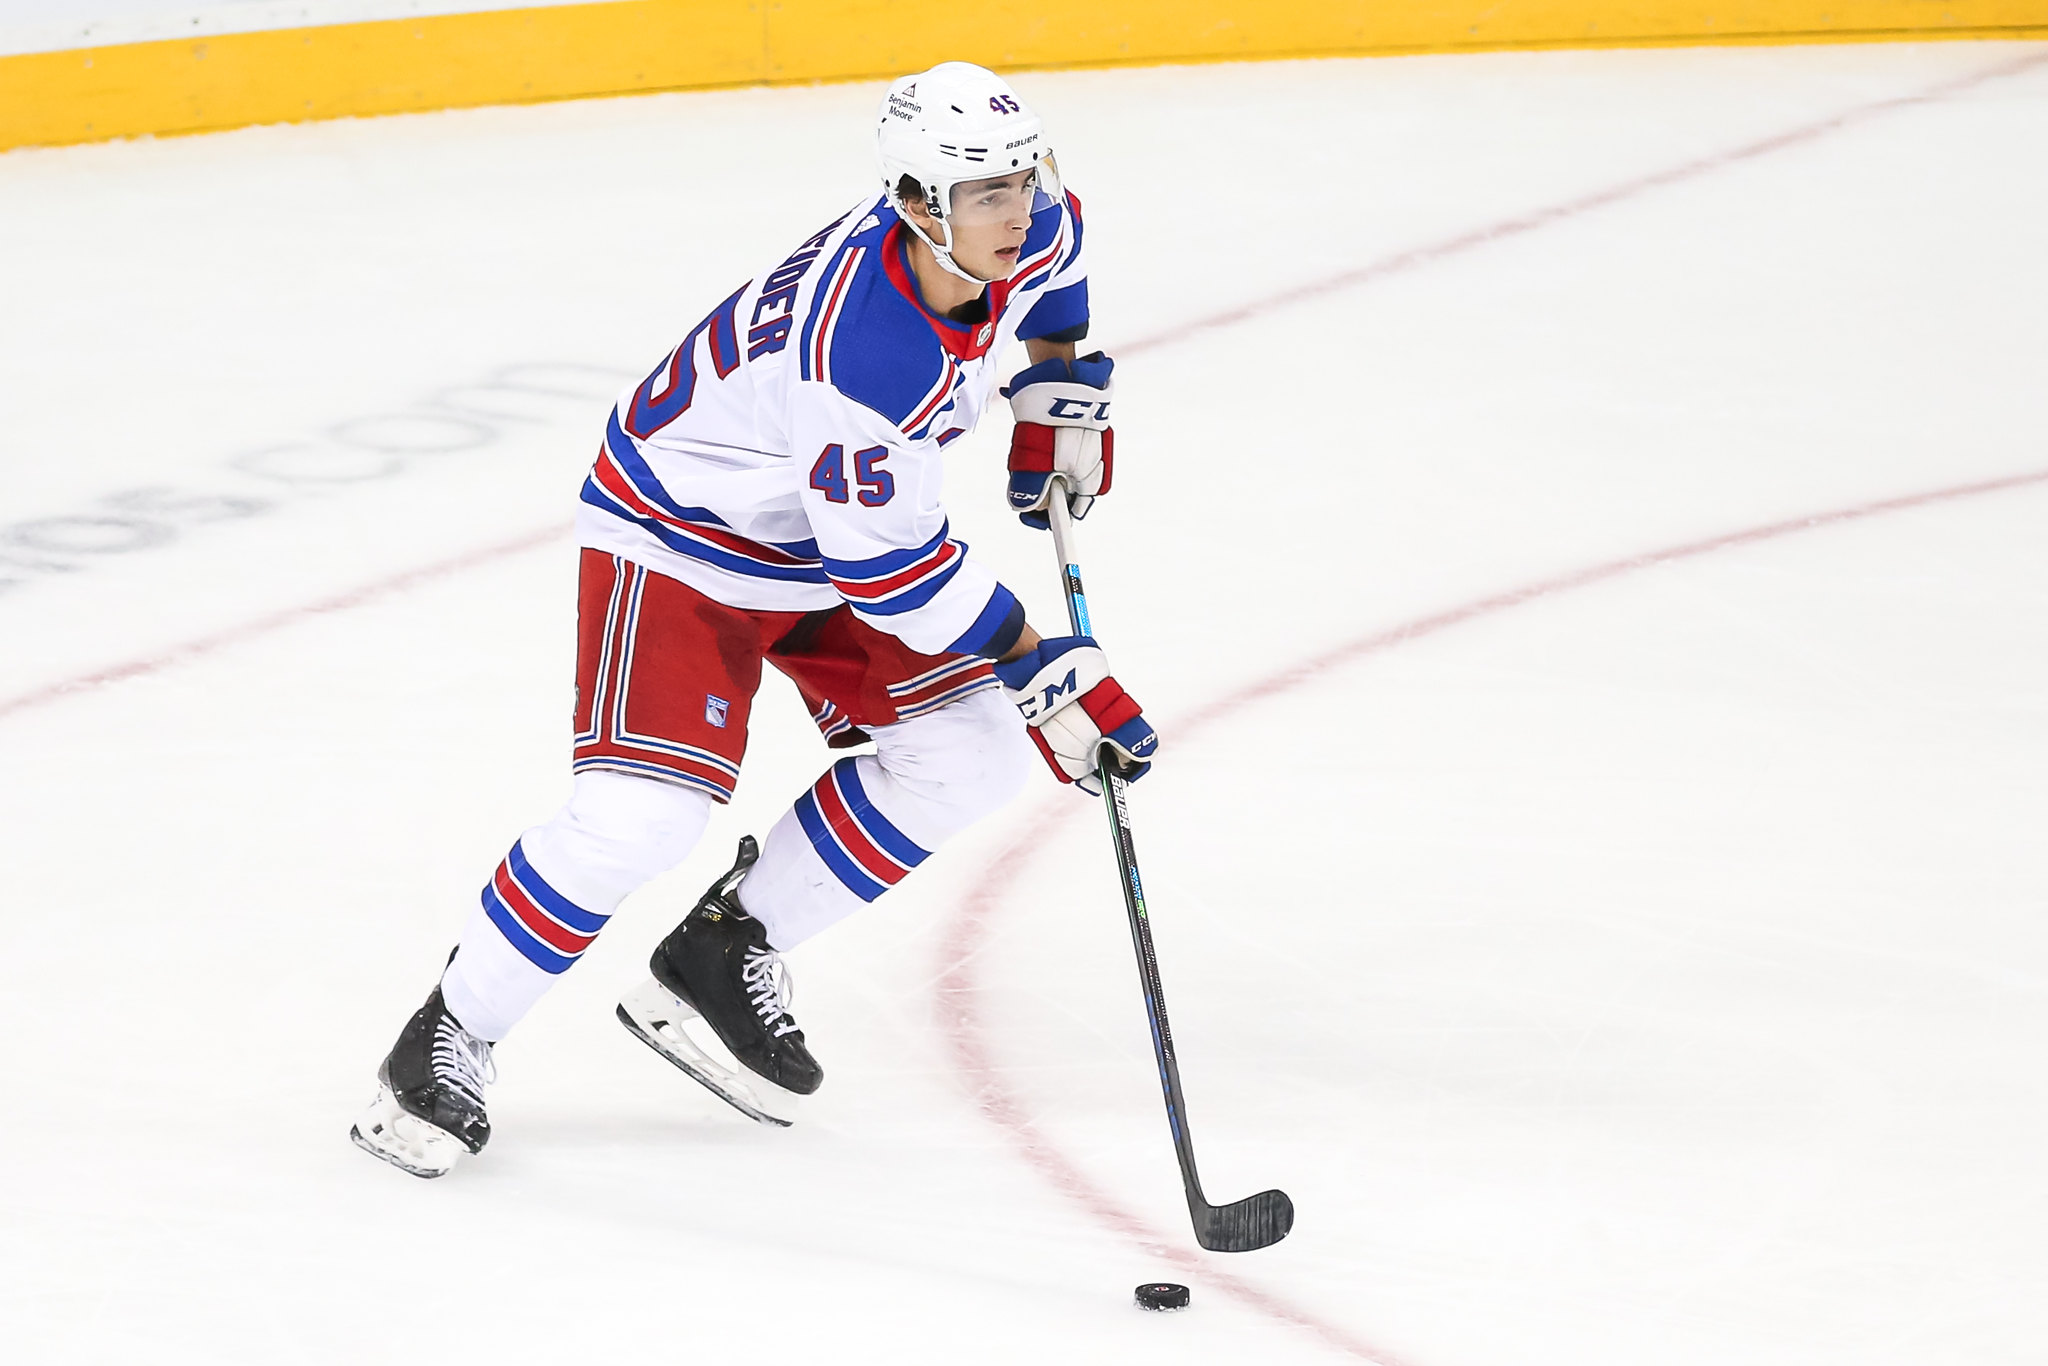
(950, 125)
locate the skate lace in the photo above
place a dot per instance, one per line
(463, 1061)
(771, 988)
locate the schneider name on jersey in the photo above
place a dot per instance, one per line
(787, 456)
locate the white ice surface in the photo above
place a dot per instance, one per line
(1653, 972)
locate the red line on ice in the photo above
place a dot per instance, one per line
(1430, 253)
(290, 616)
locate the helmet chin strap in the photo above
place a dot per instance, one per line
(944, 255)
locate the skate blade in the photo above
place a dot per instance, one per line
(655, 1017)
(405, 1141)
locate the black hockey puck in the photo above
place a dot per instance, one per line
(1161, 1296)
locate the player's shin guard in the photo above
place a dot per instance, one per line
(553, 893)
(869, 820)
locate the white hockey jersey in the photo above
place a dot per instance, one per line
(787, 455)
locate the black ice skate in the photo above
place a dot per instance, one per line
(717, 967)
(430, 1095)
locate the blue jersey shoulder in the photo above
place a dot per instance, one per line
(878, 348)
(874, 225)
(884, 353)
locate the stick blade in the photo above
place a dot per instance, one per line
(1251, 1223)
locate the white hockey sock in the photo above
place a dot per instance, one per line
(559, 885)
(863, 826)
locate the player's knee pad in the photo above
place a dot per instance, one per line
(615, 833)
(971, 756)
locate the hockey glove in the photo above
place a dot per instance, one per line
(1077, 712)
(1062, 410)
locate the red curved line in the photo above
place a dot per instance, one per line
(1582, 578)
(958, 991)
(264, 625)
(1431, 253)
(958, 1000)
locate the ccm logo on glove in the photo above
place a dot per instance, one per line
(1034, 707)
(1062, 412)
(1079, 715)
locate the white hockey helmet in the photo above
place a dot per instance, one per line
(956, 122)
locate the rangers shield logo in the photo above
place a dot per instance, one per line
(714, 710)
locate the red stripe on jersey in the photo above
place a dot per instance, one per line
(903, 578)
(614, 481)
(935, 403)
(740, 545)
(830, 312)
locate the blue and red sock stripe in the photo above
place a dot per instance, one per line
(546, 927)
(857, 842)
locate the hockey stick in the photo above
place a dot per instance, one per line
(1257, 1220)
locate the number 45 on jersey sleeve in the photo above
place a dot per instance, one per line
(829, 475)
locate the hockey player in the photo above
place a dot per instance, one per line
(772, 492)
